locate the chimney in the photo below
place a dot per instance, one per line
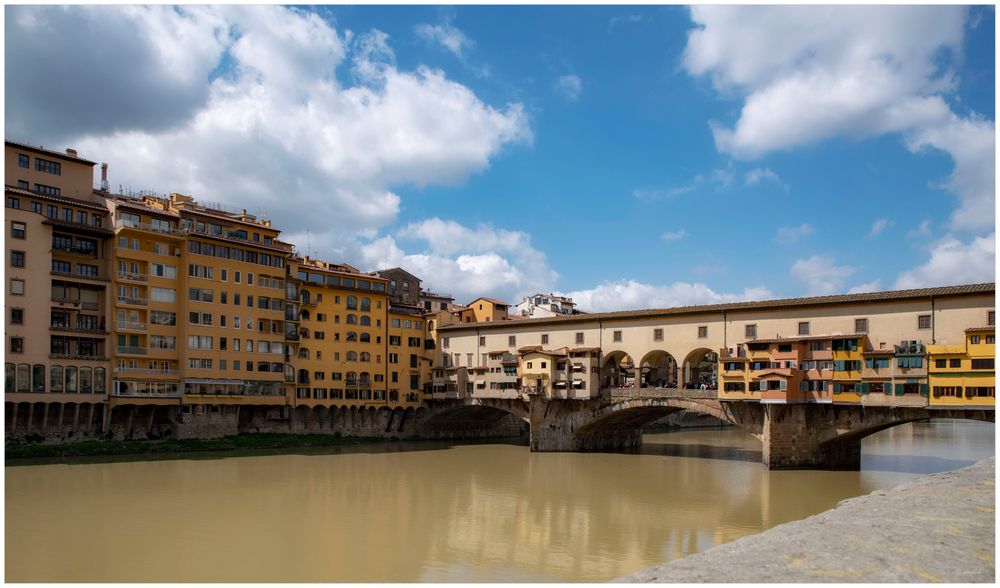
(71, 152)
(104, 177)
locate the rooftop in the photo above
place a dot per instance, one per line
(68, 155)
(890, 296)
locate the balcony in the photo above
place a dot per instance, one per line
(127, 326)
(75, 250)
(146, 372)
(78, 329)
(129, 350)
(129, 276)
(271, 283)
(146, 393)
(126, 224)
(129, 300)
(87, 357)
(79, 276)
(84, 228)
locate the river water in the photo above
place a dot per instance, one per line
(433, 512)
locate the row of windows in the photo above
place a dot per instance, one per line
(31, 378)
(341, 281)
(970, 391)
(338, 394)
(235, 254)
(364, 304)
(52, 211)
(195, 363)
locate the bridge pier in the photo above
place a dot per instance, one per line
(793, 440)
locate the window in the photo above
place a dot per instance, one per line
(702, 332)
(657, 334)
(49, 167)
(974, 339)
(17, 230)
(17, 259)
(17, 316)
(199, 295)
(22, 160)
(511, 341)
(804, 328)
(940, 363)
(861, 325)
(955, 362)
(17, 344)
(924, 321)
(160, 317)
(482, 341)
(579, 338)
(200, 271)
(991, 317)
(982, 364)
(616, 336)
(545, 339)
(163, 294)
(17, 287)
(52, 191)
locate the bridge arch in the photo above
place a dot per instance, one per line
(701, 366)
(658, 369)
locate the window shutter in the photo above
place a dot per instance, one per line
(863, 387)
(836, 388)
(899, 390)
(783, 385)
(923, 390)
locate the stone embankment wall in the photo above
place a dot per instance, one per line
(938, 528)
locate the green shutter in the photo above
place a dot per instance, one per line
(836, 388)
(899, 389)
(923, 390)
(863, 388)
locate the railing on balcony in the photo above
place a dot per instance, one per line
(92, 329)
(167, 230)
(146, 371)
(147, 393)
(87, 356)
(127, 326)
(78, 275)
(133, 276)
(88, 251)
(132, 300)
(271, 283)
(130, 350)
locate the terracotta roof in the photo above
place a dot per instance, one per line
(968, 289)
(584, 349)
(126, 203)
(980, 329)
(878, 352)
(556, 353)
(772, 372)
(59, 154)
(529, 348)
(493, 300)
(61, 199)
(807, 338)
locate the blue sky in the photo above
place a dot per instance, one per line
(629, 156)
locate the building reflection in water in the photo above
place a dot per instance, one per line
(428, 512)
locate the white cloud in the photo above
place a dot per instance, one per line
(923, 230)
(763, 174)
(446, 35)
(880, 225)
(811, 73)
(674, 235)
(466, 262)
(953, 262)
(277, 124)
(872, 286)
(789, 235)
(570, 86)
(627, 18)
(663, 193)
(630, 295)
(821, 274)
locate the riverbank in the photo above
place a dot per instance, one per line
(938, 528)
(248, 441)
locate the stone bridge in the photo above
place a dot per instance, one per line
(806, 435)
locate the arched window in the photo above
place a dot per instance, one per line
(352, 303)
(304, 314)
(352, 319)
(352, 356)
(304, 333)
(71, 379)
(99, 381)
(86, 380)
(303, 353)
(366, 304)
(23, 377)
(365, 356)
(365, 379)
(56, 378)
(351, 378)
(366, 321)
(303, 377)
(38, 378)
(430, 325)
(351, 336)
(304, 296)
(365, 338)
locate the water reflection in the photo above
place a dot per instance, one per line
(433, 512)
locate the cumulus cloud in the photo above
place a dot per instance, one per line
(674, 235)
(276, 124)
(953, 262)
(880, 225)
(821, 274)
(923, 230)
(789, 235)
(810, 73)
(763, 174)
(466, 262)
(630, 295)
(570, 86)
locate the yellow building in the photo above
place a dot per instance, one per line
(964, 375)
(483, 310)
